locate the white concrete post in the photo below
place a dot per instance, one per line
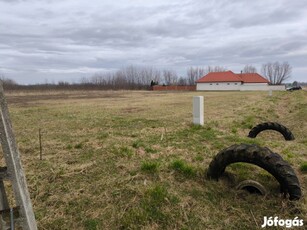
(270, 93)
(198, 110)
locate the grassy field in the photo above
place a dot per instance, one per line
(133, 159)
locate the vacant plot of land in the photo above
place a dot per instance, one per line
(133, 160)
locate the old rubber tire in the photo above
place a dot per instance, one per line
(262, 157)
(252, 184)
(271, 126)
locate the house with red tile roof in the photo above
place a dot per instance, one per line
(230, 81)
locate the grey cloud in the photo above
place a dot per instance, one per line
(74, 36)
(261, 14)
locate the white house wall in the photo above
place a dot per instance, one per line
(277, 87)
(261, 87)
(255, 84)
(219, 86)
(233, 86)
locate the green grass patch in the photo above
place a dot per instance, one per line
(123, 151)
(78, 146)
(150, 150)
(102, 135)
(199, 157)
(248, 122)
(138, 144)
(150, 166)
(91, 224)
(152, 209)
(234, 130)
(183, 168)
(303, 167)
(87, 155)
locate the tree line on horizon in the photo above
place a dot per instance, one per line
(136, 77)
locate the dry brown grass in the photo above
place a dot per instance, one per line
(95, 144)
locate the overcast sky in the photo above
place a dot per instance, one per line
(51, 40)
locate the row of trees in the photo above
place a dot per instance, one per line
(134, 77)
(130, 77)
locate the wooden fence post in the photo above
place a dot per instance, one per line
(14, 168)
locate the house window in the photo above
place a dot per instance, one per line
(217, 83)
(228, 83)
(236, 83)
(210, 83)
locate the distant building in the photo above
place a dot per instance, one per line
(231, 81)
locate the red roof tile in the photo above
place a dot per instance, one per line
(229, 76)
(252, 78)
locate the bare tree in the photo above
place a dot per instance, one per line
(170, 77)
(120, 80)
(194, 73)
(276, 73)
(149, 74)
(130, 77)
(131, 74)
(182, 81)
(84, 81)
(7, 81)
(249, 69)
(211, 69)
